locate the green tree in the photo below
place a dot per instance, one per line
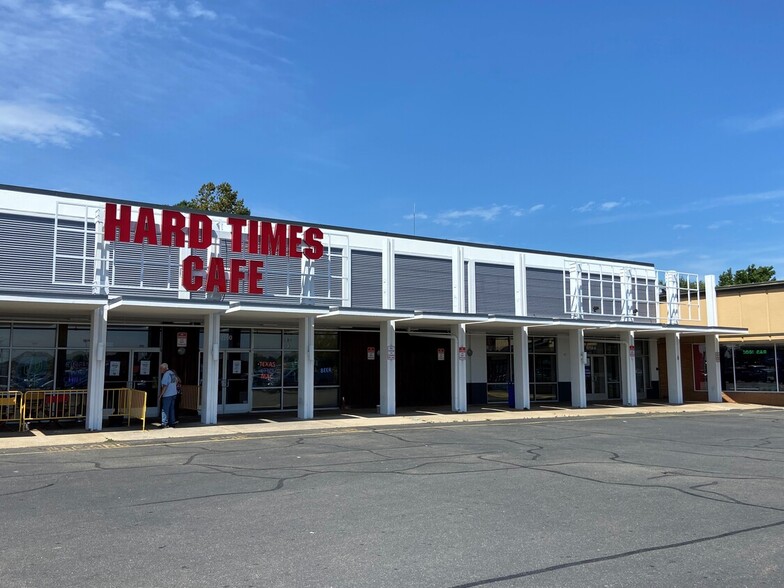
(750, 275)
(220, 198)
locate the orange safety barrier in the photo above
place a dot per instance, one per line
(11, 407)
(127, 403)
(53, 405)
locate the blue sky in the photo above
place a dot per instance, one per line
(649, 131)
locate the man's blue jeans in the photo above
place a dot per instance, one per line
(167, 410)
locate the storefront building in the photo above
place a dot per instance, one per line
(262, 315)
(752, 364)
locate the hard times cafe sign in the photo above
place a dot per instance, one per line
(194, 230)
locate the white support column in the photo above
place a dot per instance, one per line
(101, 264)
(95, 374)
(459, 377)
(305, 401)
(628, 370)
(458, 280)
(521, 290)
(576, 291)
(710, 301)
(471, 300)
(672, 290)
(577, 364)
(388, 274)
(522, 376)
(210, 357)
(388, 403)
(713, 359)
(674, 379)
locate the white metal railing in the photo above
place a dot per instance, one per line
(628, 293)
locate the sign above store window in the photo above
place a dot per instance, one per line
(194, 230)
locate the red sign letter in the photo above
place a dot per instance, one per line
(200, 231)
(315, 248)
(112, 223)
(190, 280)
(145, 227)
(216, 275)
(236, 273)
(236, 234)
(254, 277)
(173, 225)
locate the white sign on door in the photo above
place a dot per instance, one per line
(144, 367)
(114, 368)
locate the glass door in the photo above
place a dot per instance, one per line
(596, 378)
(146, 374)
(232, 381)
(117, 370)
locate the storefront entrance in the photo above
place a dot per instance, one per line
(232, 381)
(133, 368)
(603, 372)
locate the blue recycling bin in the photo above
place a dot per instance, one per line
(510, 390)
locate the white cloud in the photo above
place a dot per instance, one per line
(41, 124)
(536, 207)
(81, 13)
(719, 224)
(463, 217)
(587, 207)
(610, 205)
(122, 60)
(681, 227)
(195, 10)
(656, 253)
(772, 120)
(126, 9)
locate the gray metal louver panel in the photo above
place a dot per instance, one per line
(545, 292)
(366, 278)
(423, 283)
(495, 289)
(26, 242)
(31, 239)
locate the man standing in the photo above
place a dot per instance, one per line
(167, 396)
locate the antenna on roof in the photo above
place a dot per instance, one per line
(414, 218)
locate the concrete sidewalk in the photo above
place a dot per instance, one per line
(37, 438)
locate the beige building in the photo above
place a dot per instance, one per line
(752, 364)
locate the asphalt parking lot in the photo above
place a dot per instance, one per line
(641, 500)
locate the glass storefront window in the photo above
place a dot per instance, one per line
(4, 359)
(267, 369)
(132, 337)
(780, 365)
(33, 336)
(543, 370)
(72, 369)
(326, 340)
(502, 344)
(326, 366)
(290, 341)
(5, 335)
(73, 336)
(32, 369)
(755, 368)
(235, 339)
(264, 340)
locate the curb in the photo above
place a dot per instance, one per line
(39, 439)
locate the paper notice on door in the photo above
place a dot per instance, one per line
(236, 366)
(144, 367)
(114, 368)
